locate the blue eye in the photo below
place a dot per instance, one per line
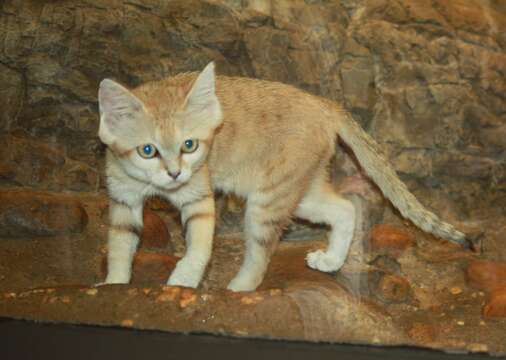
(147, 151)
(190, 145)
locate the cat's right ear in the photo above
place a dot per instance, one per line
(119, 111)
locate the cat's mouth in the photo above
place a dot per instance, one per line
(173, 185)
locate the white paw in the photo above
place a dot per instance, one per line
(184, 275)
(323, 261)
(243, 284)
(115, 279)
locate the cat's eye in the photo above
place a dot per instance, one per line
(147, 151)
(190, 145)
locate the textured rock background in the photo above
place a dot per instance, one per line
(426, 78)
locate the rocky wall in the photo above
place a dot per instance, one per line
(426, 78)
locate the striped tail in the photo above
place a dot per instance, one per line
(380, 171)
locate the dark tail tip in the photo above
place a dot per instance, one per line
(473, 241)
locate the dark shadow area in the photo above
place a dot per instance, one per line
(27, 340)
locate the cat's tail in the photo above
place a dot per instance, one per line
(380, 171)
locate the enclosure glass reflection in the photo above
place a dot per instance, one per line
(425, 80)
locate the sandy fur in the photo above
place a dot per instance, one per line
(267, 142)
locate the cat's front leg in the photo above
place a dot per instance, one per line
(198, 218)
(124, 231)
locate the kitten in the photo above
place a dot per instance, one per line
(184, 137)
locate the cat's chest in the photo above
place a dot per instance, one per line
(234, 181)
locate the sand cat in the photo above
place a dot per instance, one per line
(185, 137)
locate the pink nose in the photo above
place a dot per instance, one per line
(174, 174)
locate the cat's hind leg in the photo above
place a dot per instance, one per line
(266, 215)
(261, 232)
(321, 204)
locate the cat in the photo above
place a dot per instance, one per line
(185, 137)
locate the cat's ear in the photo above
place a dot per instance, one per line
(119, 110)
(201, 103)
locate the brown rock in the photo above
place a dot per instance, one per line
(422, 333)
(358, 76)
(154, 232)
(152, 267)
(29, 162)
(426, 298)
(34, 214)
(486, 275)
(127, 323)
(188, 297)
(455, 290)
(158, 204)
(43, 165)
(253, 298)
(386, 263)
(11, 95)
(496, 305)
(430, 58)
(391, 238)
(393, 289)
(148, 267)
(442, 251)
(420, 107)
(478, 348)
(169, 293)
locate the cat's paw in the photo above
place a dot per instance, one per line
(324, 261)
(183, 280)
(184, 275)
(243, 283)
(115, 279)
(104, 283)
(238, 286)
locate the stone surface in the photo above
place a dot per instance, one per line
(390, 238)
(154, 231)
(265, 313)
(25, 214)
(496, 305)
(393, 288)
(29, 161)
(422, 332)
(441, 251)
(50, 281)
(152, 267)
(487, 275)
(426, 80)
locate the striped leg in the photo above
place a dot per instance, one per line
(262, 228)
(198, 218)
(124, 231)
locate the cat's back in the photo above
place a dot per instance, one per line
(266, 125)
(269, 108)
(262, 98)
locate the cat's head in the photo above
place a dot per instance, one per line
(160, 134)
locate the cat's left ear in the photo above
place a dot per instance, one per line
(201, 104)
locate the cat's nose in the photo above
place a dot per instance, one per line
(174, 174)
